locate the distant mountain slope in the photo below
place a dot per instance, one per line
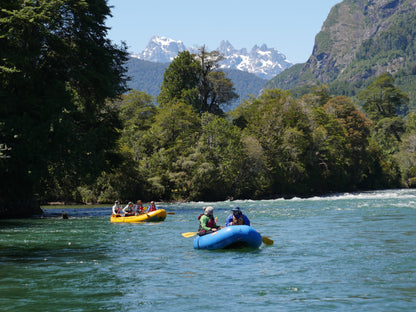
(359, 40)
(148, 76)
(262, 61)
(145, 76)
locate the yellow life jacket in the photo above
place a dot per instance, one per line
(238, 221)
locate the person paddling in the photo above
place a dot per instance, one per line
(128, 210)
(237, 218)
(207, 223)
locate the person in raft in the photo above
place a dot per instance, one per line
(128, 210)
(138, 208)
(152, 206)
(237, 218)
(207, 222)
(116, 208)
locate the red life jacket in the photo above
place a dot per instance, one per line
(211, 223)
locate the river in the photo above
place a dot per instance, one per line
(344, 252)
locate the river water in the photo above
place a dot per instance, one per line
(346, 252)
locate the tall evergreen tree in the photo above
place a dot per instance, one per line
(56, 69)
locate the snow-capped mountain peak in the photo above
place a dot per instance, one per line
(161, 50)
(262, 61)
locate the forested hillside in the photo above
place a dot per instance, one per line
(360, 40)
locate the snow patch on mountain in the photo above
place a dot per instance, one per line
(161, 50)
(262, 61)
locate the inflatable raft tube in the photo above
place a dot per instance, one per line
(154, 216)
(229, 237)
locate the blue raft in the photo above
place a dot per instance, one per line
(229, 237)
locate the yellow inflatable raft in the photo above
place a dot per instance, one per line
(154, 216)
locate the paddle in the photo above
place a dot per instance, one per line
(267, 240)
(171, 213)
(189, 234)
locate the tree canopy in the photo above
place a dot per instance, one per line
(57, 69)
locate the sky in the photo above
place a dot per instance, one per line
(289, 26)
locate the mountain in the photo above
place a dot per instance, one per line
(359, 40)
(148, 76)
(262, 61)
(145, 76)
(161, 50)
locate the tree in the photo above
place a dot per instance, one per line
(357, 130)
(180, 81)
(56, 71)
(214, 88)
(382, 99)
(174, 133)
(137, 112)
(217, 173)
(195, 80)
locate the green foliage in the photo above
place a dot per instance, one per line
(69, 142)
(148, 77)
(181, 76)
(195, 80)
(382, 99)
(57, 69)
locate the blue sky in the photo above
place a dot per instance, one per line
(290, 26)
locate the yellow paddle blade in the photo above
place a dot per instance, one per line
(189, 234)
(267, 240)
(172, 213)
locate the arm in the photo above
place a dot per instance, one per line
(229, 220)
(246, 220)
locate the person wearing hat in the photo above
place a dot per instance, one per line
(237, 218)
(128, 210)
(207, 222)
(116, 207)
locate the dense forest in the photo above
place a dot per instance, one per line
(71, 132)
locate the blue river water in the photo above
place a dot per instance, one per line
(345, 252)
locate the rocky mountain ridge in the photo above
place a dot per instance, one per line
(262, 61)
(359, 40)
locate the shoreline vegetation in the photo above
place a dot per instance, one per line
(89, 140)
